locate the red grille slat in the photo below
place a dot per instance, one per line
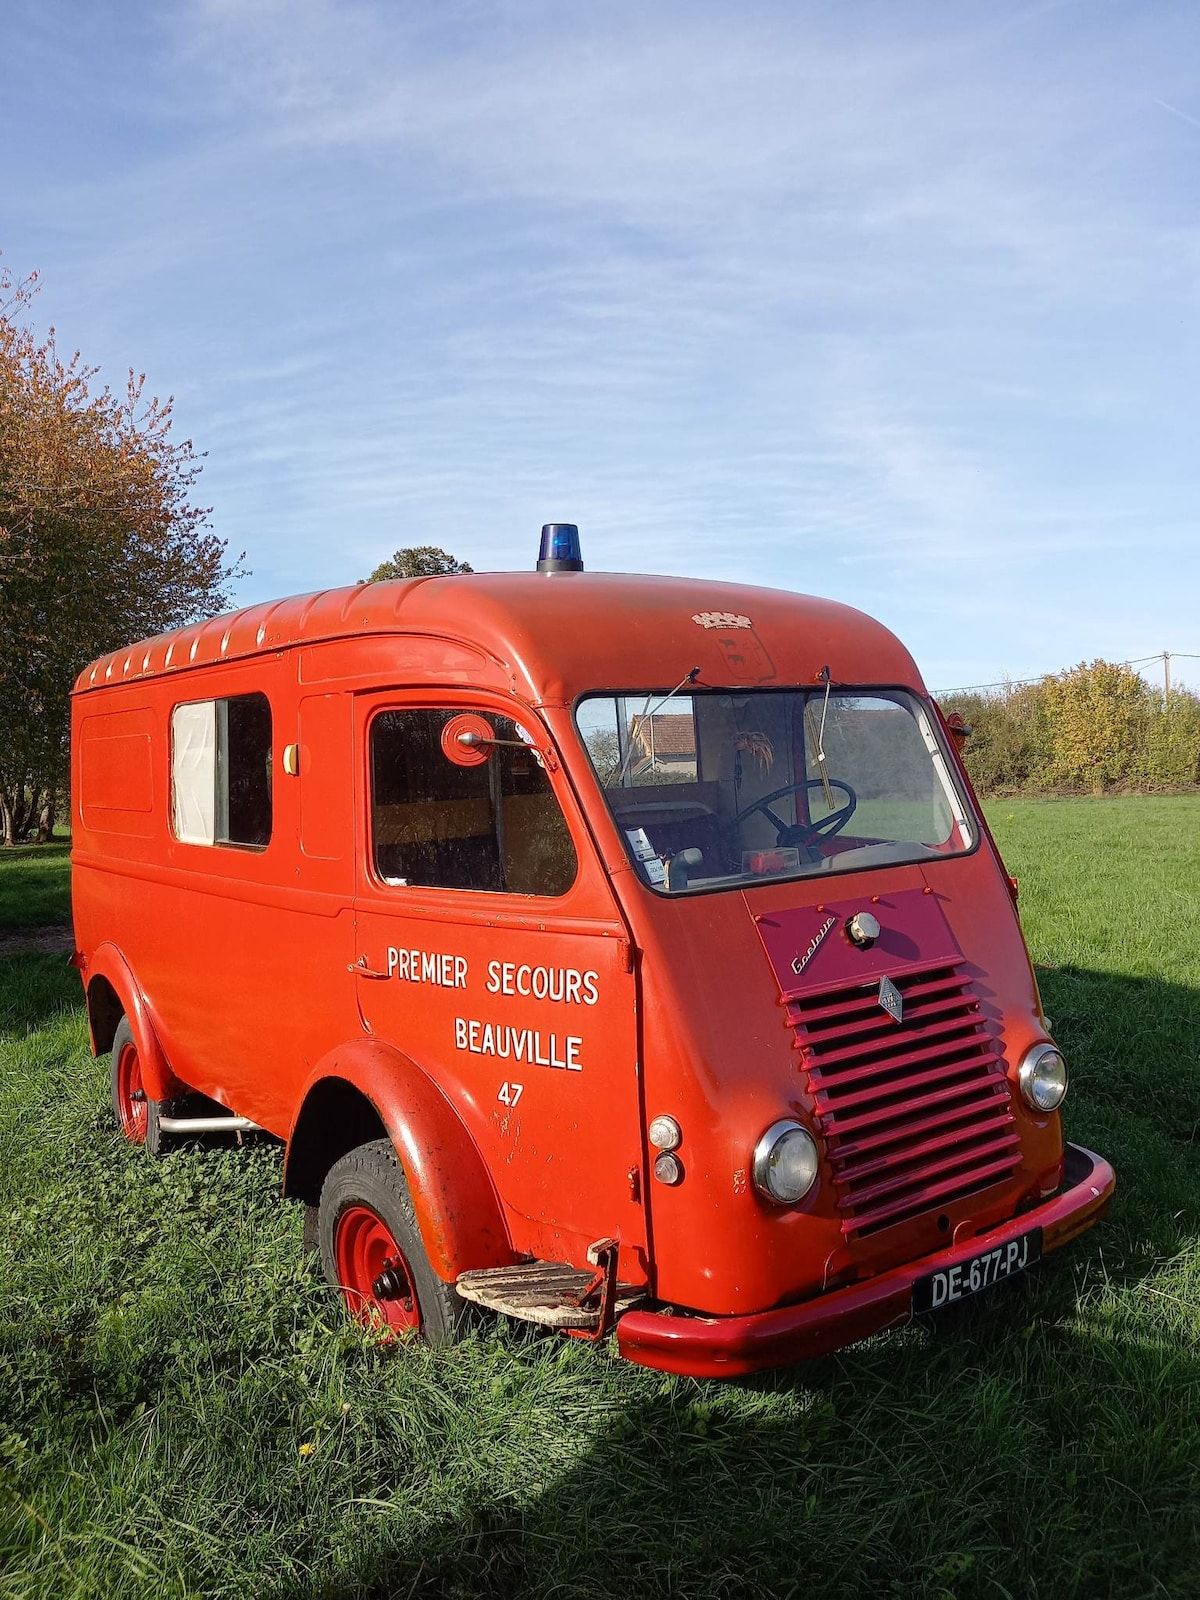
(871, 1220)
(907, 1075)
(878, 1044)
(915, 1114)
(865, 1092)
(938, 1098)
(961, 1009)
(947, 1119)
(918, 1176)
(861, 999)
(889, 1162)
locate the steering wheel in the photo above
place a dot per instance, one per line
(802, 833)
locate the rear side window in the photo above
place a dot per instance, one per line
(221, 771)
(435, 824)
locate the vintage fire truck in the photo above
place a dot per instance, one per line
(620, 953)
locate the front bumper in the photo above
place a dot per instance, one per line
(718, 1347)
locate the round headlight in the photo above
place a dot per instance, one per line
(785, 1163)
(1043, 1078)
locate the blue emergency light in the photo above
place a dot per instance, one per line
(560, 550)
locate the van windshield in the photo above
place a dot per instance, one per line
(716, 790)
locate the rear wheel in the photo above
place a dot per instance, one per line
(136, 1114)
(128, 1091)
(371, 1249)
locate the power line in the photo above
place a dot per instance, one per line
(1165, 656)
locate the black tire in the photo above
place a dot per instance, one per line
(369, 1183)
(158, 1142)
(312, 1233)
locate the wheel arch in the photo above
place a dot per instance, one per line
(105, 1010)
(112, 993)
(334, 1118)
(370, 1090)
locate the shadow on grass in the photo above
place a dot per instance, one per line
(53, 850)
(1133, 1047)
(1131, 1042)
(1061, 1464)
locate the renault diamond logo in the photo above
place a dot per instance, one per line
(891, 999)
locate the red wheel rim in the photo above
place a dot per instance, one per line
(365, 1251)
(131, 1094)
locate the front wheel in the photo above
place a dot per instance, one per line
(372, 1252)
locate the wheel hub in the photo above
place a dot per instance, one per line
(392, 1284)
(375, 1276)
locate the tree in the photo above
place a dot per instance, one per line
(417, 561)
(101, 543)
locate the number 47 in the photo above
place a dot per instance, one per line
(510, 1093)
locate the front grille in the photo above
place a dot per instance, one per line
(915, 1114)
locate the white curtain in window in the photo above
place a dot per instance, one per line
(194, 771)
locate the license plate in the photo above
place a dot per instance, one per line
(980, 1272)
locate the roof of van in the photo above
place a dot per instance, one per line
(545, 636)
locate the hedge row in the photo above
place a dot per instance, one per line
(1095, 728)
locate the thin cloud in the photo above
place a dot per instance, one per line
(1175, 112)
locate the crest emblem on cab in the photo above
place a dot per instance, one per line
(891, 999)
(721, 619)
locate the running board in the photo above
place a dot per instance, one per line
(547, 1292)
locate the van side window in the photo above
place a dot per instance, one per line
(436, 824)
(221, 771)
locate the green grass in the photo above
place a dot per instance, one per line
(184, 1411)
(35, 885)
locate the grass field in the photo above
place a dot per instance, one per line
(35, 886)
(184, 1411)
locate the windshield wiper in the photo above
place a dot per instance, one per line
(817, 735)
(646, 714)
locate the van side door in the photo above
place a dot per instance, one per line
(491, 951)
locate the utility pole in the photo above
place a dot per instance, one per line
(1166, 680)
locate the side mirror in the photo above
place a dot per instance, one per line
(467, 739)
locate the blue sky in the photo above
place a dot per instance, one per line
(895, 303)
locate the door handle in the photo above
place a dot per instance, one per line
(362, 970)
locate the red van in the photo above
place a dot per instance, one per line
(619, 953)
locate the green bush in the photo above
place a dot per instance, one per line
(1170, 757)
(1097, 727)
